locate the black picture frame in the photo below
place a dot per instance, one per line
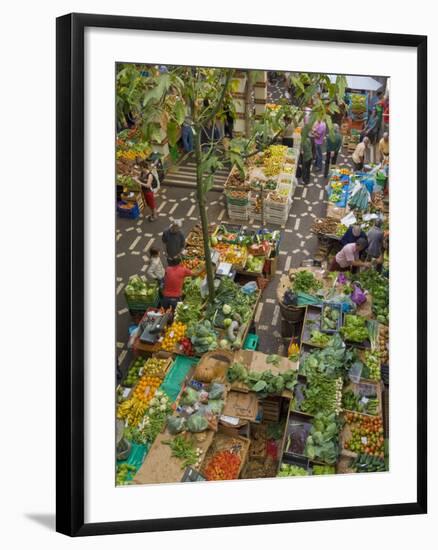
(70, 273)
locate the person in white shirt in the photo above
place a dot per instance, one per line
(156, 269)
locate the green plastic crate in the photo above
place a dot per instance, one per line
(175, 377)
(251, 342)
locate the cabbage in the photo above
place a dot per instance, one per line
(223, 344)
(227, 322)
(226, 309)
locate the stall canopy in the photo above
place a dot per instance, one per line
(360, 83)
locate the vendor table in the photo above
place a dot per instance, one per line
(159, 465)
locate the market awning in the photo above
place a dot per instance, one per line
(360, 82)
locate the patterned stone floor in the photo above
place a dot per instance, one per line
(135, 237)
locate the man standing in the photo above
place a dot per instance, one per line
(333, 146)
(174, 240)
(187, 135)
(306, 148)
(375, 243)
(173, 283)
(358, 156)
(371, 129)
(319, 131)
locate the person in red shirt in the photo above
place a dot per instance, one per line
(173, 283)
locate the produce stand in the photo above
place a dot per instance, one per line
(265, 193)
(207, 390)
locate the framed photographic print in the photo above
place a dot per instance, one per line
(241, 261)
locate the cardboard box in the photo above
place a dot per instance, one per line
(256, 361)
(226, 440)
(217, 362)
(159, 465)
(241, 405)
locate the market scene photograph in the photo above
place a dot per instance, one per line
(252, 274)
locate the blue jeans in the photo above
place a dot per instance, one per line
(187, 138)
(318, 156)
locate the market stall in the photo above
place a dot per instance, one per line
(240, 385)
(264, 191)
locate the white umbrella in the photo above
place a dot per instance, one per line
(360, 83)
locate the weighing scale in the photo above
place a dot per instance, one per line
(152, 326)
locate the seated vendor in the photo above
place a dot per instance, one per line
(174, 276)
(348, 257)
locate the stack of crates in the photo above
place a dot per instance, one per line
(238, 208)
(139, 303)
(354, 140)
(275, 212)
(255, 211)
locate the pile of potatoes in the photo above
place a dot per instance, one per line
(383, 344)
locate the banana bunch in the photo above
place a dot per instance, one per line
(132, 410)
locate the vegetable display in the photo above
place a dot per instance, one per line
(358, 103)
(254, 264)
(202, 336)
(324, 226)
(383, 344)
(133, 374)
(322, 394)
(155, 418)
(262, 382)
(366, 435)
(123, 473)
(288, 470)
(305, 281)
(368, 463)
(333, 360)
(353, 402)
(330, 318)
(155, 367)
(182, 447)
(372, 365)
(360, 200)
(320, 470)
(140, 290)
(173, 335)
(223, 465)
(132, 410)
(145, 389)
(355, 329)
(322, 443)
(318, 338)
(378, 286)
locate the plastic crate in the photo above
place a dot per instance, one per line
(251, 342)
(131, 213)
(176, 374)
(138, 305)
(331, 305)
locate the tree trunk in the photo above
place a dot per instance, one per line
(204, 219)
(248, 104)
